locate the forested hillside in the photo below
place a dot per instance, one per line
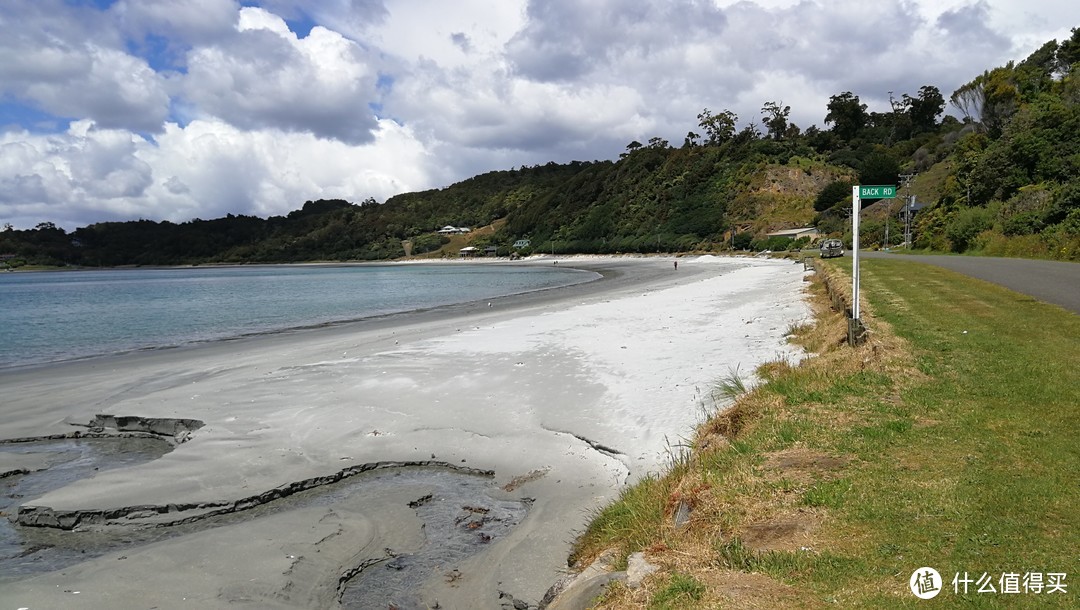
(1003, 178)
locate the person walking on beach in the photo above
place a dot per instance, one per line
(676, 265)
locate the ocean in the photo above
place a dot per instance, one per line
(65, 315)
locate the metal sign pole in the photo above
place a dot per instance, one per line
(855, 205)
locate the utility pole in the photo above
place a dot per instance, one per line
(905, 182)
(909, 212)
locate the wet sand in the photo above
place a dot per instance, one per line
(565, 395)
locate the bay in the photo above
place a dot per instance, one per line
(56, 316)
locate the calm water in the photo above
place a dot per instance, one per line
(54, 316)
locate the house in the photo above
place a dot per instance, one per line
(452, 230)
(468, 251)
(809, 232)
(522, 243)
(491, 251)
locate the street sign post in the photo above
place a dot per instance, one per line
(858, 193)
(856, 206)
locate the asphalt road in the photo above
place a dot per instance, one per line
(1054, 282)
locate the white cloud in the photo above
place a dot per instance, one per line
(67, 62)
(264, 76)
(423, 31)
(181, 21)
(56, 176)
(374, 97)
(210, 168)
(205, 169)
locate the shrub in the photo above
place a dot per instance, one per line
(742, 241)
(776, 244)
(833, 193)
(965, 226)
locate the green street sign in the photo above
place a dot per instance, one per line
(877, 192)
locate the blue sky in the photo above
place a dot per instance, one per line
(161, 109)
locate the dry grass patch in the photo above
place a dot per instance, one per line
(791, 530)
(685, 581)
(719, 588)
(803, 462)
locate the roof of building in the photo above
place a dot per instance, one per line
(793, 231)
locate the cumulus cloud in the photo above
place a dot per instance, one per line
(180, 22)
(968, 27)
(211, 168)
(564, 39)
(86, 167)
(175, 109)
(264, 76)
(205, 169)
(68, 62)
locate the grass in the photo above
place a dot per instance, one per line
(731, 386)
(949, 440)
(681, 592)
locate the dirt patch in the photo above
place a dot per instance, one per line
(799, 458)
(792, 531)
(742, 590)
(802, 466)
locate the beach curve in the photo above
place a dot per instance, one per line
(586, 385)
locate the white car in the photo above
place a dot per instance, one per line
(831, 248)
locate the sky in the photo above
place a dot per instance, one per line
(115, 110)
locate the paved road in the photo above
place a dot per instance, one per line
(1054, 282)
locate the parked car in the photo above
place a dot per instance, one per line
(831, 248)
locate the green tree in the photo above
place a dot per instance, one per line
(630, 148)
(1035, 74)
(926, 108)
(834, 192)
(879, 168)
(1001, 98)
(719, 128)
(846, 114)
(775, 119)
(1068, 53)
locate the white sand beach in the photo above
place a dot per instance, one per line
(584, 387)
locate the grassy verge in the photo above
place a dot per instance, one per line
(949, 440)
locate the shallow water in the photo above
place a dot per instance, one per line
(25, 550)
(56, 316)
(460, 518)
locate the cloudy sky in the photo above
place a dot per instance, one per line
(181, 109)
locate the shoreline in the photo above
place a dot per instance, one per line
(575, 390)
(395, 315)
(271, 331)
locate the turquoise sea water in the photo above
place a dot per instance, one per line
(55, 316)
